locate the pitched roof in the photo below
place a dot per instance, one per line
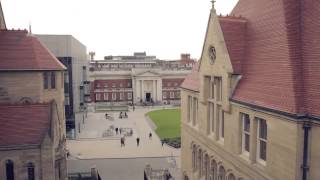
(192, 81)
(281, 67)
(19, 51)
(24, 124)
(234, 30)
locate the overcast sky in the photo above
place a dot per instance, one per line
(164, 28)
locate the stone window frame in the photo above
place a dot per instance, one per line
(221, 123)
(245, 132)
(261, 140)
(31, 171)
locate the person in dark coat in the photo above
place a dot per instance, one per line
(138, 141)
(117, 130)
(150, 135)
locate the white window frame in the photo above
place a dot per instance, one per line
(121, 95)
(171, 94)
(105, 96)
(98, 97)
(164, 95)
(114, 96)
(244, 133)
(129, 96)
(259, 160)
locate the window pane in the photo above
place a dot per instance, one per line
(53, 80)
(45, 80)
(263, 150)
(263, 129)
(247, 142)
(246, 122)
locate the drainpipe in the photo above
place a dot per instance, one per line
(305, 166)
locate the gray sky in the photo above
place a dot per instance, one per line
(164, 28)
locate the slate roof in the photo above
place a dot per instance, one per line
(24, 124)
(20, 51)
(281, 66)
(234, 31)
(192, 80)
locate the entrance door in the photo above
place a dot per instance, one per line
(148, 97)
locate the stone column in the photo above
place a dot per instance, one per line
(142, 90)
(154, 97)
(159, 88)
(134, 95)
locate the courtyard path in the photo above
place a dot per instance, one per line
(91, 144)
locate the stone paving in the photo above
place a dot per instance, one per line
(91, 145)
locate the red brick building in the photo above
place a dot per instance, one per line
(138, 79)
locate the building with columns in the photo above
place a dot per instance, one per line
(251, 110)
(138, 79)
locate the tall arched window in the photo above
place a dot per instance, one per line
(30, 168)
(206, 166)
(213, 168)
(194, 157)
(9, 170)
(200, 162)
(222, 173)
(231, 177)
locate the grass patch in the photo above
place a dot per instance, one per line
(167, 122)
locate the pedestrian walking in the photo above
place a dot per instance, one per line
(122, 141)
(162, 142)
(138, 141)
(150, 135)
(117, 131)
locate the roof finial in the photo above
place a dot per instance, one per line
(30, 32)
(213, 1)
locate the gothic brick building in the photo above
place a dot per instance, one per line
(32, 121)
(251, 110)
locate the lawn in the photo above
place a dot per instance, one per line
(167, 122)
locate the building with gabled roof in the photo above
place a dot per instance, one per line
(255, 113)
(32, 121)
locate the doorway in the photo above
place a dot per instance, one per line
(148, 97)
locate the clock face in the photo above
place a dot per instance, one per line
(212, 54)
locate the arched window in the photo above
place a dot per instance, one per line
(213, 170)
(222, 173)
(206, 166)
(9, 170)
(231, 177)
(200, 162)
(30, 168)
(194, 157)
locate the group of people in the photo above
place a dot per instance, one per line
(121, 115)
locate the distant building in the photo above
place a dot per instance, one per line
(251, 110)
(138, 79)
(73, 55)
(32, 122)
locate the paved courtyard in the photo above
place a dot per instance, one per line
(92, 145)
